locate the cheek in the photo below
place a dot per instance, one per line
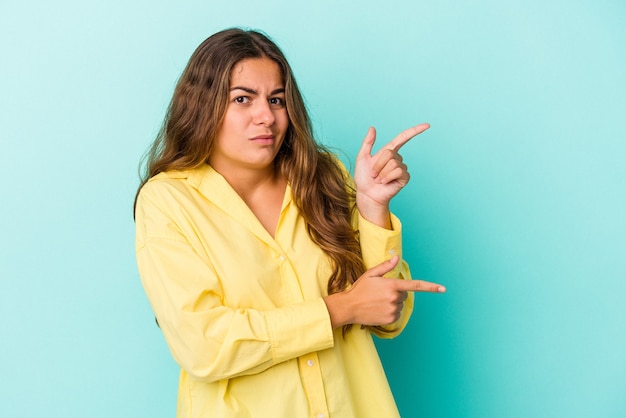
(232, 122)
(282, 119)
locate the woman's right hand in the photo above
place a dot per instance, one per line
(374, 299)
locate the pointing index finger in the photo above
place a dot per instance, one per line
(419, 286)
(405, 136)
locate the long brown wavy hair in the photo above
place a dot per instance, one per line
(319, 186)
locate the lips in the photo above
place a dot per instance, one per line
(263, 139)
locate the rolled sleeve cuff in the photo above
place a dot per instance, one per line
(379, 244)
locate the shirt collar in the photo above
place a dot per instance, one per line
(214, 187)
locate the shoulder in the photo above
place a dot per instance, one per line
(167, 177)
(169, 187)
(163, 202)
(172, 180)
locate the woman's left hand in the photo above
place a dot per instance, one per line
(381, 176)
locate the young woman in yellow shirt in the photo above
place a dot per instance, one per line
(262, 258)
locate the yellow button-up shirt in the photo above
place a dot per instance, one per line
(243, 312)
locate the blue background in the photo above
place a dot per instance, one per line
(517, 200)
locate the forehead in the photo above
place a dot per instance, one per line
(256, 71)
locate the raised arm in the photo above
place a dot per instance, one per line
(374, 299)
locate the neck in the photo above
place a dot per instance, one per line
(248, 181)
(263, 191)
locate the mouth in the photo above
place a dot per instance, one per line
(263, 139)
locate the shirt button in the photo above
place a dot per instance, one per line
(282, 258)
(320, 415)
(310, 364)
(392, 251)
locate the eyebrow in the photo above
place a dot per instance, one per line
(251, 91)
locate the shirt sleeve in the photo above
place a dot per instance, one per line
(208, 340)
(377, 245)
(380, 244)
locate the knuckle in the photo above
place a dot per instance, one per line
(391, 318)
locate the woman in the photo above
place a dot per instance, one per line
(261, 258)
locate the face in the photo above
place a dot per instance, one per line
(256, 120)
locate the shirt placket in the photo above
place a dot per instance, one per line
(308, 365)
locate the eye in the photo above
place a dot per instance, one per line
(241, 99)
(277, 101)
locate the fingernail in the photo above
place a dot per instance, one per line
(441, 289)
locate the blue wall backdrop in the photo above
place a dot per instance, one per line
(517, 200)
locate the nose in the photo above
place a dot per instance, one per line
(263, 113)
